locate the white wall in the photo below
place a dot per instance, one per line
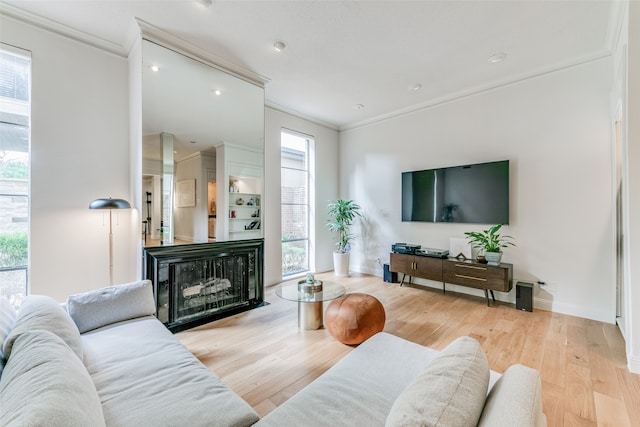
(80, 152)
(326, 171)
(555, 130)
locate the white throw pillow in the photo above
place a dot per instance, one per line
(44, 384)
(7, 317)
(95, 309)
(39, 312)
(450, 391)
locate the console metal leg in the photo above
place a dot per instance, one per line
(486, 294)
(402, 281)
(492, 295)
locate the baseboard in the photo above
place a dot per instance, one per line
(634, 364)
(510, 298)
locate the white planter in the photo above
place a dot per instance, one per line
(493, 258)
(341, 264)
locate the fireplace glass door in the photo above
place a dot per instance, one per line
(206, 286)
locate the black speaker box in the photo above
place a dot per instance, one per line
(524, 296)
(390, 276)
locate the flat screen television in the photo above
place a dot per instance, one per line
(477, 194)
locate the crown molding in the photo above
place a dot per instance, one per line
(292, 112)
(161, 37)
(140, 29)
(60, 29)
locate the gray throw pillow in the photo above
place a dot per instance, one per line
(95, 309)
(450, 391)
(44, 384)
(39, 312)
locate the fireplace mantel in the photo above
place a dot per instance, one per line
(195, 284)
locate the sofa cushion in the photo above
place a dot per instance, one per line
(45, 384)
(138, 363)
(358, 390)
(450, 391)
(515, 399)
(94, 309)
(39, 312)
(7, 317)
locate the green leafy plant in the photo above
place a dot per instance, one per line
(14, 249)
(343, 213)
(489, 240)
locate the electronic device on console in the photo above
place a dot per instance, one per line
(404, 248)
(435, 253)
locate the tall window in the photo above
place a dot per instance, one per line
(15, 114)
(296, 208)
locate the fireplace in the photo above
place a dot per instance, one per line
(195, 284)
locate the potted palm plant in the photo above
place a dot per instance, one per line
(342, 215)
(491, 242)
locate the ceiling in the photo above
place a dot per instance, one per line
(341, 54)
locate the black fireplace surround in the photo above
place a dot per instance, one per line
(198, 283)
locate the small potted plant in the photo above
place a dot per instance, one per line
(490, 242)
(342, 213)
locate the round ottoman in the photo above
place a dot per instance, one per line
(354, 318)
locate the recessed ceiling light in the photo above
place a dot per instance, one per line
(217, 91)
(415, 87)
(193, 142)
(154, 68)
(497, 57)
(358, 106)
(279, 46)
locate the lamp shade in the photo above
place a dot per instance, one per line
(109, 204)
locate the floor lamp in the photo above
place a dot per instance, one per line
(110, 204)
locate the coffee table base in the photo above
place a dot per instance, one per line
(310, 315)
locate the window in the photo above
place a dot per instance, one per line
(15, 115)
(296, 209)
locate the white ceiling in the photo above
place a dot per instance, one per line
(343, 53)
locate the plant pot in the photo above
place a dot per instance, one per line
(493, 258)
(341, 264)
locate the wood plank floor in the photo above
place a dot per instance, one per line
(265, 358)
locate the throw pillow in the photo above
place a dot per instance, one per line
(44, 384)
(39, 312)
(95, 309)
(450, 391)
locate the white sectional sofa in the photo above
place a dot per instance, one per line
(107, 361)
(389, 381)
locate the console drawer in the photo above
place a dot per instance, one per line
(482, 276)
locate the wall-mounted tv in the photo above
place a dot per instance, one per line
(477, 194)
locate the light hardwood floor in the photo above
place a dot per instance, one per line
(263, 356)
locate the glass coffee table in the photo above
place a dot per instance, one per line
(310, 297)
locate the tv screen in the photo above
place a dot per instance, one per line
(477, 194)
